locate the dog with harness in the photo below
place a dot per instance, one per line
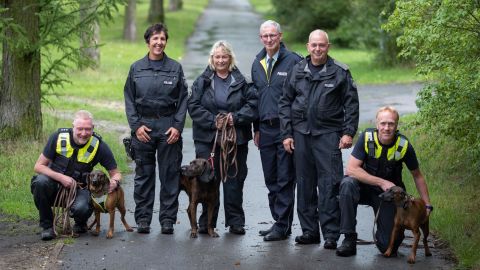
(410, 214)
(104, 202)
(375, 165)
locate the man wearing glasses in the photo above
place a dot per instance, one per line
(318, 117)
(270, 70)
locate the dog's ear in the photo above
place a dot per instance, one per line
(211, 172)
(207, 173)
(105, 178)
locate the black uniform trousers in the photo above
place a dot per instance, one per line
(232, 187)
(45, 189)
(169, 159)
(319, 170)
(279, 174)
(352, 193)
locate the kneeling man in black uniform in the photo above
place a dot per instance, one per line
(374, 166)
(70, 155)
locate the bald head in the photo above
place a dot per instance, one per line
(318, 33)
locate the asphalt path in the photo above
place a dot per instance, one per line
(235, 22)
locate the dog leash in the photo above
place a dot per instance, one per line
(63, 201)
(228, 145)
(375, 223)
(211, 159)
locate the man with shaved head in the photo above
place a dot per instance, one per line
(318, 117)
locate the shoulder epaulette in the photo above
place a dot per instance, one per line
(97, 135)
(340, 64)
(297, 54)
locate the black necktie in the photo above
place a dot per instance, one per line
(269, 68)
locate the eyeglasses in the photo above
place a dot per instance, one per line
(266, 36)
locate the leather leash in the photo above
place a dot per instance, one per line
(63, 201)
(228, 145)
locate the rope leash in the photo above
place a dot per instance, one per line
(63, 201)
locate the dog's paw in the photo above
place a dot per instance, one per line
(411, 259)
(193, 235)
(94, 233)
(129, 229)
(387, 253)
(214, 235)
(109, 235)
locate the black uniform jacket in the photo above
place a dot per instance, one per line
(242, 103)
(156, 92)
(319, 103)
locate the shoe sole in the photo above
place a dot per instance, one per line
(167, 231)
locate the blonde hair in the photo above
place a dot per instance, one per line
(227, 48)
(390, 109)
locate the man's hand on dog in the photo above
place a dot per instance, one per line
(385, 185)
(113, 185)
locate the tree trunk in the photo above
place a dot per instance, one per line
(129, 27)
(175, 5)
(20, 108)
(91, 37)
(156, 13)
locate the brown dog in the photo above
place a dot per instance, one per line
(98, 184)
(199, 182)
(411, 214)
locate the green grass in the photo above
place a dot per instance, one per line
(362, 64)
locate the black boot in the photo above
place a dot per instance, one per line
(349, 246)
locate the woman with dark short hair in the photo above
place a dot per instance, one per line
(156, 105)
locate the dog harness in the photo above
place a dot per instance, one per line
(99, 201)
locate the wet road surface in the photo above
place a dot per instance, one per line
(235, 22)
